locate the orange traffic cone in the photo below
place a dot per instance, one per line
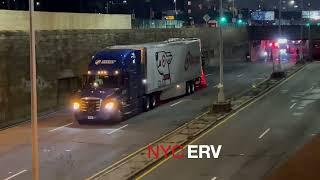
(203, 81)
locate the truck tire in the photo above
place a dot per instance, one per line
(153, 101)
(192, 87)
(188, 88)
(146, 103)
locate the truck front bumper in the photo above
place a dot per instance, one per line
(98, 116)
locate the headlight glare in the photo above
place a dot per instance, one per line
(76, 106)
(109, 106)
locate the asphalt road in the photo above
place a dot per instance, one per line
(71, 151)
(257, 139)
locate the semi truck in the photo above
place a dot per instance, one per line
(125, 80)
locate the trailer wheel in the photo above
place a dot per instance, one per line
(192, 88)
(146, 103)
(153, 101)
(188, 88)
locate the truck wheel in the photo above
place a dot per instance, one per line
(153, 101)
(192, 88)
(146, 103)
(188, 88)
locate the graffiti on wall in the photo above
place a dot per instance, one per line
(41, 84)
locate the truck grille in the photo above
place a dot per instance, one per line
(90, 105)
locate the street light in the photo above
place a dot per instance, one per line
(221, 106)
(175, 7)
(221, 97)
(34, 108)
(301, 33)
(292, 2)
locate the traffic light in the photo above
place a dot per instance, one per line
(239, 21)
(223, 20)
(318, 24)
(308, 24)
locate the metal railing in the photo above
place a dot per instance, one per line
(148, 23)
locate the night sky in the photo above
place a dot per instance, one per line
(315, 4)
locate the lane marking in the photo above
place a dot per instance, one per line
(221, 123)
(293, 105)
(209, 75)
(60, 127)
(240, 75)
(214, 178)
(15, 175)
(176, 103)
(115, 130)
(264, 133)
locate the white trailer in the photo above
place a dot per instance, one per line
(172, 68)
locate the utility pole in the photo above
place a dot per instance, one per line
(233, 9)
(280, 32)
(301, 33)
(175, 8)
(221, 97)
(309, 43)
(34, 108)
(221, 106)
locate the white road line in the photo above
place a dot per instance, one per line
(240, 75)
(15, 175)
(60, 127)
(264, 133)
(209, 75)
(293, 105)
(115, 130)
(214, 178)
(176, 103)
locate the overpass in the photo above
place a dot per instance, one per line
(290, 32)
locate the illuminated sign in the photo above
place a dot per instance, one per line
(311, 15)
(263, 15)
(169, 17)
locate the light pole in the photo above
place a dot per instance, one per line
(175, 7)
(280, 31)
(221, 98)
(221, 105)
(301, 33)
(34, 108)
(233, 8)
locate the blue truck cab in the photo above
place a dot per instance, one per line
(112, 88)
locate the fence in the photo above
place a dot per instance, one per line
(147, 23)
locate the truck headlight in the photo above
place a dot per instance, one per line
(110, 106)
(76, 106)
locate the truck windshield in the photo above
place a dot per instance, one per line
(99, 81)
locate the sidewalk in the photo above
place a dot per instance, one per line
(303, 165)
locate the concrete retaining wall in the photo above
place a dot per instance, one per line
(63, 55)
(19, 20)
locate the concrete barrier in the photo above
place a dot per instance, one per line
(19, 20)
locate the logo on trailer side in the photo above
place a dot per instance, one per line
(164, 60)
